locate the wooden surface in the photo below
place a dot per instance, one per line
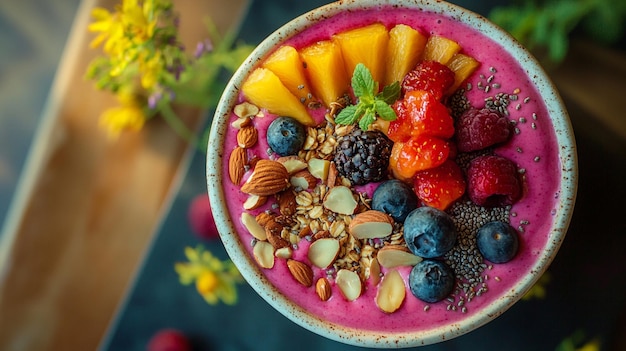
(88, 205)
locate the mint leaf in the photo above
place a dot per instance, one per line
(347, 115)
(384, 110)
(363, 83)
(390, 93)
(369, 103)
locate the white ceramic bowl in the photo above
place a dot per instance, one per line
(560, 214)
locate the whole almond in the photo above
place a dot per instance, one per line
(247, 137)
(237, 165)
(286, 201)
(323, 289)
(301, 272)
(268, 178)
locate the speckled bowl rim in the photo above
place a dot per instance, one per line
(255, 277)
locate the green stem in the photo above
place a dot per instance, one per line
(178, 126)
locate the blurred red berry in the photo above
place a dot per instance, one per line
(169, 340)
(201, 217)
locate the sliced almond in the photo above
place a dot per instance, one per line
(241, 123)
(284, 252)
(264, 254)
(375, 272)
(237, 165)
(247, 137)
(292, 163)
(371, 224)
(245, 110)
(303, 179)
(272, 232)
(392, 256)
(253, 227)
(322, 252)
(286, 201)
(349, 284)
(391, 292)
(268, 178)
(301, 272)
(254, 202)
(333, 175)
(339, 199)
(319, 168)
(323, 289)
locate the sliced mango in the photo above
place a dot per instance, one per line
(287, 65)
(366, 45)
(462, 66)
(263, 88)
(325, 70)
(440, 49)
(404, 51)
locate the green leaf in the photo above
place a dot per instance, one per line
(390, 93)
(363, 83)
(347, 116)
(384, 110)
(368, 118)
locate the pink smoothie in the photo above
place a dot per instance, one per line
(533, 148)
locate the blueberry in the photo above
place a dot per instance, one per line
(497, 241)
(286, 136)
(396, 198)
(429, 232)
(431, 280)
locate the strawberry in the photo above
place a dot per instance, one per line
(420, 113)
(417, 154)
(440, 186)
(431, 76)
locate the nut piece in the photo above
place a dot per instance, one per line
(255, 229)
(339, 199)
(375, 272)
(333, 175)
(323, 289)
(392, 256)
(322, 252)
(241, 122)
(303, 179)
(245, 109)
(268, 178)
(301, 272)
(237, 165)
(284, 252)
(293, 164)
(371, 224)
(272, 231)
(391, 292)
(247, 137)
(286, 201)
(254, 202)
(319, 168)
(264, 254)
(349, 284)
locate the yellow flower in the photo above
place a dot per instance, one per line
(538, 291)
(215, 280)
(128, 116)
(593, 345)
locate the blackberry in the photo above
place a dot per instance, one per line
(363, 156)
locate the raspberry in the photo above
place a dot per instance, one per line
(493, 181)
(169, 340)
(201, 219)
(430, 76)
(363, 157)
(477, 129)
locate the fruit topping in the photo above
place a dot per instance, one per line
(420, 113)
(431, 281)
(430, 76)
(286, 63)
(493, 181)
(405, 48)
(264, 88)
(418, 154)
(363, 156)
(439, 187)
(463, 66)
(497, 241)
(326, 71)
(477, 129)
(440, 49)
(395, 198)
(285, 136)
(429, 232)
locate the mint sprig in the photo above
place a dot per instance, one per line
(370, 103)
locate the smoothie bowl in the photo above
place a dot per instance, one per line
(391, 173)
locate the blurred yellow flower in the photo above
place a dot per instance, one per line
(538, 291)
(128, 116)
(593, 345)
(215, 280)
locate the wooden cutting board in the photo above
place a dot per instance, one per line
(87, 206)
